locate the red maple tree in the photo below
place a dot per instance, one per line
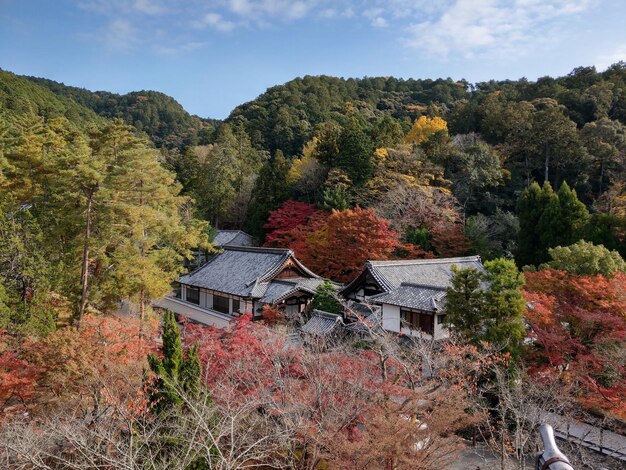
(578, 324)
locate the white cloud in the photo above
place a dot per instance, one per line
(177, 49)
(469, 27)
(215, 21)
(120, 35)
(379, 22)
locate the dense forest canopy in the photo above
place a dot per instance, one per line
(103, 197)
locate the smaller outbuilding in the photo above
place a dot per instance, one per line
(411, 294)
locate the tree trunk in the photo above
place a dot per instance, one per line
(84, 275)
(547, 163)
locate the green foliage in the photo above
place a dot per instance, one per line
(548, 219)
(326, 299)
(335, 198)
(355, 154)
(286, 116)
(419, 237)
(493, 236)
(488, 306)
(585, 259)
(24, 274)
(161, 117)
(270, 191)
(175, 373)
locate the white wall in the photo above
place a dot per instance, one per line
(391, 317)
(440, 330)
(193, 312)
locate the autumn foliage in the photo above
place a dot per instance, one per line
(97, 366)
(341, 405)
(336, 245)
(578, 326)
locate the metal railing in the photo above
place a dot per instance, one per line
(551, 458)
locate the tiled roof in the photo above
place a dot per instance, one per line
(428, 272)
(415, 296)
(322, 323)
(245, 271)
(232, 238)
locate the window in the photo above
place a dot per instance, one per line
(176, 290)
(418, 320)
(411, 319)
(193, 295)
(441, 319)
(221, 304)
(235, 305)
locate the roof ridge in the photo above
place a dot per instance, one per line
(405, 262)
(259, 249)
(414, 284)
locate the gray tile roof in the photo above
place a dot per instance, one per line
(418, 284)
(322, 323)
(415, 296)
(427, 272)
(244, 271)
(232, 238)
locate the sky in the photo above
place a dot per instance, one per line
(213, 55)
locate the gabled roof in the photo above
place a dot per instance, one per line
(419, 284)
(248, 272)
(426, 272)
(232, 238)
(322, 323)
(428, 298)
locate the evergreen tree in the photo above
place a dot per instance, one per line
(530, 207)
(505, 305)
(355, 153)
(574, 215)
(325, 298)
(175, 374)
(465, 304)
(488, 306)
(270, 191)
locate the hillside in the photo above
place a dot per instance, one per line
(21, 96)
(160, 116)
(285, 116)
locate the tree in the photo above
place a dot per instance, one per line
(578, 325)
(585, 259)
(488, 306)
(175, 373)
(284, 219)
(355, 153)
(548, 219)
(473, 171)
(154, 232)
(325, 298)
(339, 249)
(424, 127)
(270, 191)
(494, 236)
(25, 303)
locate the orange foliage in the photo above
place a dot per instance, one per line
(579, 328)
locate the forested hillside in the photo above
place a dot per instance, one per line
(103, 197)
(164, 120)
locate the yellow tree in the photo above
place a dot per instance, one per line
(424, 127)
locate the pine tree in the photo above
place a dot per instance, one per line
(574, 215)
(465, 304)
(355, 153)
(175, 374)
(325, 298)
(530, 206)
(270, 191)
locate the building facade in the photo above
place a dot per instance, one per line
(409, 293)
(242, 280)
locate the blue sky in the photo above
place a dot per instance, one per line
(212, 55)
